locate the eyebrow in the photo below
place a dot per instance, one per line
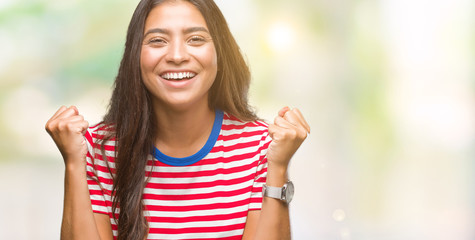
(186, 31)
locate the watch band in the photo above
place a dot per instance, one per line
(284, 193)
(273, 192)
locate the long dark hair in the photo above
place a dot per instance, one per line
(131, 115)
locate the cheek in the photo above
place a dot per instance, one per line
(148, 60)
(215, 61)
(212, 60)
(206, 56)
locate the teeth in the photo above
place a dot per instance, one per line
(179, 75)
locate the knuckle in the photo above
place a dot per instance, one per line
(277, 135)
(70, 126)
(294, 135)
(302, 134)
(62, 126)
(51, 126)
(47, 126)
(286, 114)
(270, 129)
(291, 134)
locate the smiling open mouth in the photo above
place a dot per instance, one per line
(178, 75)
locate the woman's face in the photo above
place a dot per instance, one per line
(178, 59)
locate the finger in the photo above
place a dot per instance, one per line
(283, 111)
(72, 124)
(48, 125)
(302, 119)
(282, 122)
(84, 126)
(79, 124)
(296, 120)
(291, 116)
(74, 119)
(273, 129)
(298, 128)
(59, 111)
(70, 111)
(75, 109)
(285, 130)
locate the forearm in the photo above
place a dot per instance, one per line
(288, 132)
(78, 218)
(274, 220)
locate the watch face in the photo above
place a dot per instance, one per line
(289, 192)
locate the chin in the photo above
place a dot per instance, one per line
(179, 104)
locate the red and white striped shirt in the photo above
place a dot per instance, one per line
(204, 196)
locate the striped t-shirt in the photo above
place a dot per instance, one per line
(203, 196)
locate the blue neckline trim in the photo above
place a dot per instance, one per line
(213, 137)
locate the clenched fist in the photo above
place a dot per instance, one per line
(288, 132)
(67, 128)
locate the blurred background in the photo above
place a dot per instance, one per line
(387, 86)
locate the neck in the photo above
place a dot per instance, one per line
(182, 133)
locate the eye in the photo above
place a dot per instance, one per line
(196, 40)
(157, 41)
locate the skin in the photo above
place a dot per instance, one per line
(177, 39)
(67, 128)
(288, 132)
(182, 42)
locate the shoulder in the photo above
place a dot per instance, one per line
(101, 131)
(231, 122)
(250, 130)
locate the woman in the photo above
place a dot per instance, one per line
(179, 152)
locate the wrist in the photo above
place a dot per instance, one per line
(276, 175)
(284, 193)
(74, 165)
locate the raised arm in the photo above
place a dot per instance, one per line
(272, 222)
(67, 129)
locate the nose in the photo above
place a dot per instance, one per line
(177, 52)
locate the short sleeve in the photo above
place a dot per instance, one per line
(96, 189)
(261, 174)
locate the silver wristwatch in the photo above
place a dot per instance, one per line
(285, 193)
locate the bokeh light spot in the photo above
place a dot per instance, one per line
(280, 37)
(339, 215)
